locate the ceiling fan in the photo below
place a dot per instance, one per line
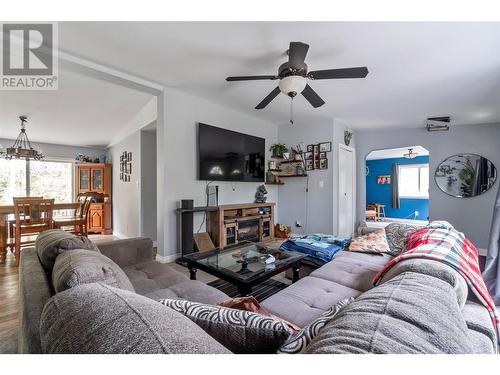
(293, 76)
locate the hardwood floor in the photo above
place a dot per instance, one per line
(9, 305)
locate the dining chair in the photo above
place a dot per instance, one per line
(33, 215)
(79, 222)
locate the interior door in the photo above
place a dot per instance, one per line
(346, 207)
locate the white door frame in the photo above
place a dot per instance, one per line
(350, 149)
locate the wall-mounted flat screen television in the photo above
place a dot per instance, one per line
(225, 155)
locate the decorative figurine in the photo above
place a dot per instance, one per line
(260, 194)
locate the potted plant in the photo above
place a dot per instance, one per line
(278, 149)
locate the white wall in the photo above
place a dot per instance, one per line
(148, 185)
(127, 195)
(469, 215)
(145, 116)
(312, 209)
(318, 209)
(177, 158)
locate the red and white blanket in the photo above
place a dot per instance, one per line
(442, 243)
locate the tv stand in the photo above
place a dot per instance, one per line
(232, 223)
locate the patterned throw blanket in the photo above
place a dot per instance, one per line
(444, 244)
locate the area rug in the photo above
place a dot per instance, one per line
(260, 292)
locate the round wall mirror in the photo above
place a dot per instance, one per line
(465, 175)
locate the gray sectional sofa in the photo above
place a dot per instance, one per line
(419, 307)
(134, 256)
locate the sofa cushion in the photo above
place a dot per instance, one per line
(353, 270)
(412, 313)
(480, 328)
(191, 290)
(97, 318)
(150, 276)
(77, 267)
(239, 331)
(307, 299)
(297, 342)
(374, 242)
(396, 236)
(431, 268)
(51, 243)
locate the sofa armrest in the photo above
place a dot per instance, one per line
(129, 251)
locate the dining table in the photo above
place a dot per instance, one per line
(7, 210)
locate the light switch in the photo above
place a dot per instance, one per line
(321, 184)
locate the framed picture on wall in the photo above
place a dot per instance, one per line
(316, 151)
(323, 163)
(310, 148)
(384, 180)
(309, 165)
(322, 155)
(316, 164)
(308, 156)
(325, 147)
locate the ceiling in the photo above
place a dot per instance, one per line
(391, 153)
(417, 70)
(84, 111)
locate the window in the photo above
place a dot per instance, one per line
(12, 180)
(414, 181)
(48, 179)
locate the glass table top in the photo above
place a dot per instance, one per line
(245, 260)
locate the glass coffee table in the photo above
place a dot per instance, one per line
(244, 264)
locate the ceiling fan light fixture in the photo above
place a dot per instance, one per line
(410, 154)
(292, 85)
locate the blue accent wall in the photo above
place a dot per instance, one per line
(383, 193)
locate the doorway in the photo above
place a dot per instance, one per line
(397, 186)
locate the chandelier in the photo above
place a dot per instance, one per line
(410, 154)
(22, 149)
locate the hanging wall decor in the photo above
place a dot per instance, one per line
(125, 166)
(316, 156)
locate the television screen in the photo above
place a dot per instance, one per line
(225, 155)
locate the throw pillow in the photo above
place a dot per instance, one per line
(250, 303)
(239, 331)
(396, 234)
(51, 243)
(299, 341)
(77, 267)
(374, 242)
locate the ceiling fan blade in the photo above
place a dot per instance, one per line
(359, 72)
(268, 98)
(297, 53)
(250, 78)
(312, 97)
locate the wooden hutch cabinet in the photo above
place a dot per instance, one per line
(95, 180)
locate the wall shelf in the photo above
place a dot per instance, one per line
(291, 161)
(275, 183)
(293, 175)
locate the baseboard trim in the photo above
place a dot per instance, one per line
(167, 258)
(482, 252)
(119, 235)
